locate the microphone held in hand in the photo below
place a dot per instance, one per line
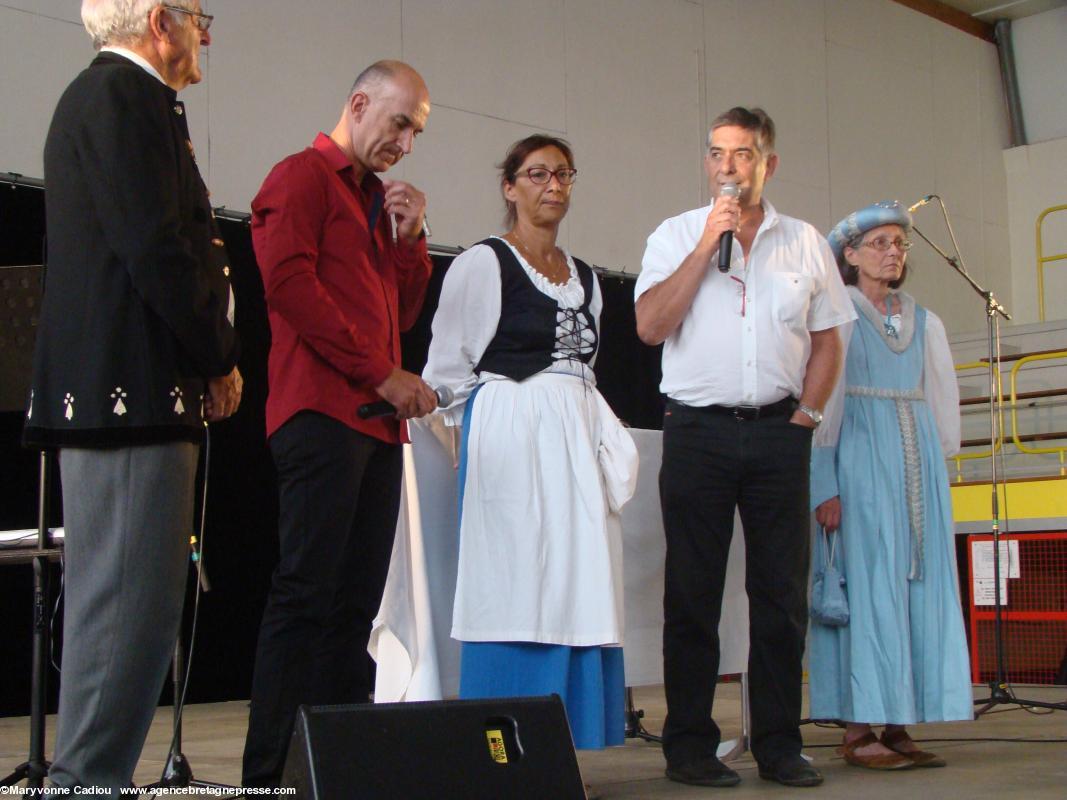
(383, 408)
(726, 241)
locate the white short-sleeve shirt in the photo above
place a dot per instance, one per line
(746, 337)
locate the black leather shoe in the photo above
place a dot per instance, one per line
(707, 771)
(792, 771)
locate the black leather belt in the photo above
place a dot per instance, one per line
(783, 408)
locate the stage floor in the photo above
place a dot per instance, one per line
(980, 764)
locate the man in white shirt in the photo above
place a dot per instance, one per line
(750, 357)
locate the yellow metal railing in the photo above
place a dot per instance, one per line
(1013, 404)
(1042, 259)
(1020, 445)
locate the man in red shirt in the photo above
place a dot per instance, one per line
(345, 268)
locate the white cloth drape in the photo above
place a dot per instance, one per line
(417, 659)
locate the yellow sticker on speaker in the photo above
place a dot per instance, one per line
(497, 751)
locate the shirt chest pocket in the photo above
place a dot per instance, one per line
(791, 298)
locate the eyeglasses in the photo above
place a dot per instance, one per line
(743, 290)
(202, 21)
(541, 175)
(883, 243)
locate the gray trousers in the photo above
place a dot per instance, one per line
(128, 514)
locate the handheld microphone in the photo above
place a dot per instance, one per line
(383, 408)
(922, 202)
(726, 241)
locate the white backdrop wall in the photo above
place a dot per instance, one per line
(1037, 173)
(872, 101)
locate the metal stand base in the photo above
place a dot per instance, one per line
(1000, 695)
(178, 773)
(33, 774)
(634, 728)
(733, 749)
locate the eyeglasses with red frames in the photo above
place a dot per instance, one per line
(201, 20)
(542, 175)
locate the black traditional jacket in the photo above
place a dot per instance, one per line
(137, 309)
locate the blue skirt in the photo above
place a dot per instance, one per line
(589, 680)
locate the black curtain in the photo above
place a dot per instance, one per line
(240, 540)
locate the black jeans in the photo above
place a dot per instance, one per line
(339, 493)
(713, 463)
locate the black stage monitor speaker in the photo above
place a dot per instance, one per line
(506, 748)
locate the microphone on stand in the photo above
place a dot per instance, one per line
(383, 408)
(922, 202)
(726, 241)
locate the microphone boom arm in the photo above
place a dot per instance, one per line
(993, 306)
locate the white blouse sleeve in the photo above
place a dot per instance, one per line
(465, 322)
(596, 305)
(940, 385)
(824, 442)
(830, 428)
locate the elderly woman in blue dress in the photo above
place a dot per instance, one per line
(544, 463)
(879, 481)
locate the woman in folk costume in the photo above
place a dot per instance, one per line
(544, 463)
(879, 481)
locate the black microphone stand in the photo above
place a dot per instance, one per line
(1000, 692)
(635, 729)
(28, 283)
(177, 771)
(35, 768)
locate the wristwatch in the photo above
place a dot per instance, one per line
(814, 413)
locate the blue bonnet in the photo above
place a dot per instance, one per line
(886, 212)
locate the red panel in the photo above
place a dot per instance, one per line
(1033, 621)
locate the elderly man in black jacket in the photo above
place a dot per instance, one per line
(136, 350)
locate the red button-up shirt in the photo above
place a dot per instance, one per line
(337, 293)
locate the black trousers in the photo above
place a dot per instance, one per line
(339, 493)
(713, 463)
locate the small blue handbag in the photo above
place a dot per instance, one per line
(829, 601)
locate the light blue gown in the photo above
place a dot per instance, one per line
(902, 658)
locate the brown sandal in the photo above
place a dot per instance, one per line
(920, 758)
(882, 761)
